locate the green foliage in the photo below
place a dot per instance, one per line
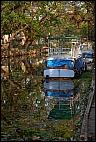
(18, 105)
(84, 30)
(54, 17)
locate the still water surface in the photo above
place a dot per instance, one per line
(33, 108)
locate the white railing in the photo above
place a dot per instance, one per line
(58, 51)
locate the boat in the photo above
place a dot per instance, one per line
(63, 62)
(88, 57)
(59, 66)
(64, 66)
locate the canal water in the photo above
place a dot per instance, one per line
(36, 109)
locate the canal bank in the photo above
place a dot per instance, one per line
(88, 124)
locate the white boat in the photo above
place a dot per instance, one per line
(59, 66)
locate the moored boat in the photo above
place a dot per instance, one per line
(88, 57)
(59, 66)
(64, 66)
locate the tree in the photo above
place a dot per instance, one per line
(29, 17)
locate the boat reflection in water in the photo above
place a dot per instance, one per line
(61, 102)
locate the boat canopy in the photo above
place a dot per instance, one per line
(60, 62)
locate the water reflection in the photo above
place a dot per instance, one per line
(48, 110)
(62, 101)
(66, 102)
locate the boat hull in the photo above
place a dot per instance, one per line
(62, 73)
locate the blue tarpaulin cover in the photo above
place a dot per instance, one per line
(60, 62)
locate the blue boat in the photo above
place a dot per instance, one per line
(88, 57)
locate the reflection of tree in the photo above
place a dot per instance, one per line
(64, 129)
(25, 109)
